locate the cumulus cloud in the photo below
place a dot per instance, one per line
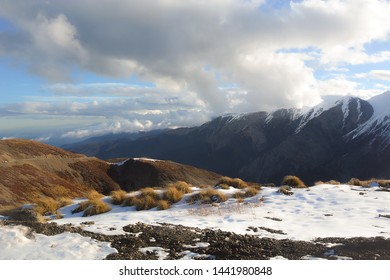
(213, 57)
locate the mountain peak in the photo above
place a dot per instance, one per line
(380, 103)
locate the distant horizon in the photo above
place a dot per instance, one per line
(60, 142)
(77, 69)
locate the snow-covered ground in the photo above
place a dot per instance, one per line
(17, 244)
(320, 211)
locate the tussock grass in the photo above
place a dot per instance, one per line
(145, 192)
(286, 190)
(318, 183)
(46, 205)
(81, 207)
(293, 181)
(173, 195)
(224, 186)
(96, 207)
(248, 192)
(92, 195)
(235, 183)
(64, 201)
(163, 205)
(208, 196)
(147, 199)
(118, 197)
(181, 186)
(145, 202)
(333, 182)
(367, 183)
(251, 191)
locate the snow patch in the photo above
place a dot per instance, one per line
(188, 255)
(121, 163)
(324, 209)
(17, 243)
(146, 159)
(160, 252)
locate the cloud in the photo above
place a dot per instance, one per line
(188, 50)
(380, 75)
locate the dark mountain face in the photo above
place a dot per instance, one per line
(335, 140)
(134, 174)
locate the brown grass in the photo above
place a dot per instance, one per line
(173, 195)
(81, 207)
(251, 191)
(235, 183)
(145, 203)
(366, 183)
(96, 207)
(181, 186)
(293, 181)
(46, 205)
(147, 199)
(208, 196)
(92, 195)
(118, 197)
(224, 186)
(248, 192)
(63, 201)
(285, 190)
(163, 205)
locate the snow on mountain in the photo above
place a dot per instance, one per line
(379, 124)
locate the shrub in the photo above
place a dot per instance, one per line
(208, 196)
(236, 182)
(173, 195)
(118, 197)
(285, 190)
(163, 205)
(293, 181)
(96, 207)
(46, 205)
(181, 186)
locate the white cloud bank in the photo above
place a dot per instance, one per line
(204, 58)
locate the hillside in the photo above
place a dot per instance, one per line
(338, 139)
(133, 174)
(29, 170)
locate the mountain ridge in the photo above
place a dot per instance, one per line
(321, 143)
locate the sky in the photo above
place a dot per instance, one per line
(74, 69)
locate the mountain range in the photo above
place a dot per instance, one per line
(337, 139)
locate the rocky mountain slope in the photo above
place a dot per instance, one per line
(337, 139)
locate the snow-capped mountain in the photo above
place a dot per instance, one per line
(337, 139)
